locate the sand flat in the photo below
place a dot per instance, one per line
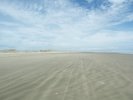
(66, 76)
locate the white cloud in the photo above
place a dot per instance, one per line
(105, 38)
(60, 24)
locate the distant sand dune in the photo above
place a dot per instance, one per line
(66, 76)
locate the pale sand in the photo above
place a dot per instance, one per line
(66, 76)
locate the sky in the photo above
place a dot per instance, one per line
(77, 25)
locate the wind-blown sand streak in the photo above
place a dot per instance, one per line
(66, 76)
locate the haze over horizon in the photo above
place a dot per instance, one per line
(78, 25)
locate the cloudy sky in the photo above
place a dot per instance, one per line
(83, 25)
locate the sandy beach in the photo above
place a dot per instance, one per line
(66, 76)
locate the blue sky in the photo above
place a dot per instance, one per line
(81, 25)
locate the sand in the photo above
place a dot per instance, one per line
(66, 76)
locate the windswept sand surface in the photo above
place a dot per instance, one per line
(66, 76)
